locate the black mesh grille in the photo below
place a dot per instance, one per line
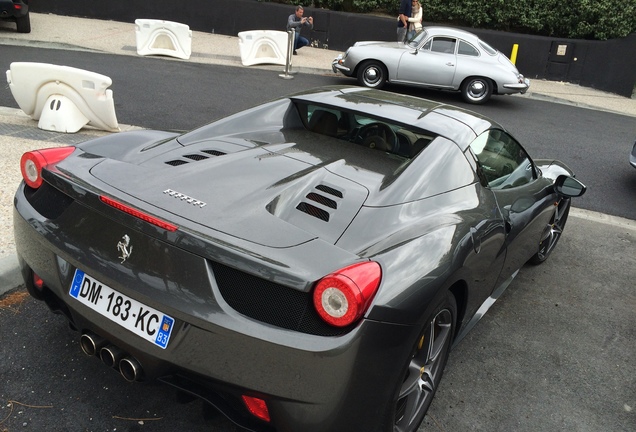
(176, 162)
(329, 190)
(271, 303)
(322, 200)
(313, 211)
(50, 202)
(196, 157)
(213, 152)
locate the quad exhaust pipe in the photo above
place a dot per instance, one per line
(111, 356)
(130, 369)
(91, 344)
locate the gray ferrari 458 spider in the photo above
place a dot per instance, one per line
(304, 265)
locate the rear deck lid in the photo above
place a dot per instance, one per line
(255, 194)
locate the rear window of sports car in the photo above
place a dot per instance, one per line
(361, 129)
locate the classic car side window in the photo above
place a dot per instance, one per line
(490, 50)
(502, 160)
(467, 49)
(443, 45)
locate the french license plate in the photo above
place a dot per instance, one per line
(142, 320)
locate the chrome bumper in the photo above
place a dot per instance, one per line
(336, 65)
(518, 87)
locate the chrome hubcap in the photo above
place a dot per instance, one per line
(477, 89)
(371, 75)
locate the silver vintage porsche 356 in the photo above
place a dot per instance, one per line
(439, 58)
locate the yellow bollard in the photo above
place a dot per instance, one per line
(513, 55)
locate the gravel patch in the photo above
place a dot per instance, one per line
(19, 134)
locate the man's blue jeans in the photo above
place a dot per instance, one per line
(300, 42)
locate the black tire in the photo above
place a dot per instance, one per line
(373, 74)
(552, 233)
(23, 23)
(424, 368)
(476, 90)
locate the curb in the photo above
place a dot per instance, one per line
(10, 275)
(537, 95)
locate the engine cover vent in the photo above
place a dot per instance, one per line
(324, 200)
(195, 157)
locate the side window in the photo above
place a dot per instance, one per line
(502, 160)
(490, 50)
(444, 45)
(467, 49)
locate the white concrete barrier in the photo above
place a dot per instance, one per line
(62, 98)
(158, 37)
(263, 47)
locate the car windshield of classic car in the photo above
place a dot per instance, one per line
(418, 38)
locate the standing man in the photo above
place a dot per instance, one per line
(403, 17)
(297, 21)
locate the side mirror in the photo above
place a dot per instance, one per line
(569, 187)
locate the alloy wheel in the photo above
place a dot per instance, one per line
(552, 232)
(424, 372)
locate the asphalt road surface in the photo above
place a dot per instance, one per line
(555, 353)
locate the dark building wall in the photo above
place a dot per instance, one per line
(604, 65)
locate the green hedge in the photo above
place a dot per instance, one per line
(577, 19)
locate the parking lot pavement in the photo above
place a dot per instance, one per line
(19, 134)
(556, 352)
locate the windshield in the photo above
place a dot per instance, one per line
(418, 38)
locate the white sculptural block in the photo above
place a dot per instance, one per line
(68, 98)
(158, 37)
(263, 47)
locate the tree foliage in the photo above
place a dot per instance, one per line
(577, 19)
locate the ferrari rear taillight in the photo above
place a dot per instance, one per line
(38, 282)
(343, 296)
(32, 163)
(257, 407)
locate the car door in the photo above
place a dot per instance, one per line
(433, 64)
(470, 61)
(521, 194)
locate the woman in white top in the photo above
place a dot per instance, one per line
(415, 22)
